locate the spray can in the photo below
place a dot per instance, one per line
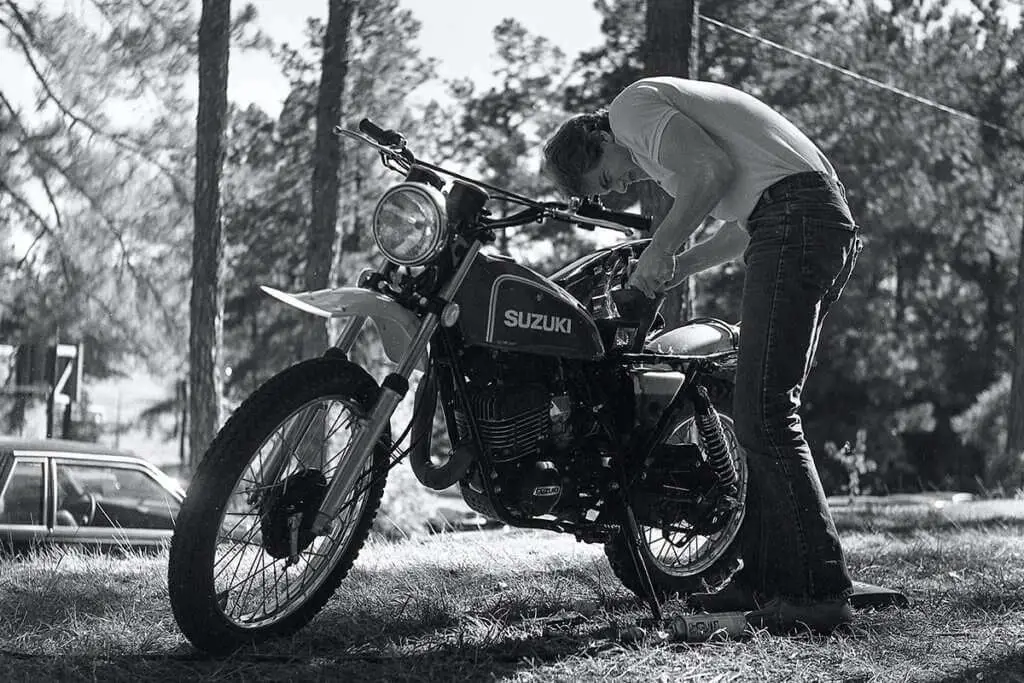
(700, 627)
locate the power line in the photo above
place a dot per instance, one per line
(871, 81)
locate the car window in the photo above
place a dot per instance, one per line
(112, 496)
(22, 499)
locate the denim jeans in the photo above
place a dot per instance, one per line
(803, 246)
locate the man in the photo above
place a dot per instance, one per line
(778, 202)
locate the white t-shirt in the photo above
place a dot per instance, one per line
(763, 145)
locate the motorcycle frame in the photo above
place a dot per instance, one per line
(395, 386)
(414, 355)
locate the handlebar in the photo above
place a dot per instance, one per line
(392, 147)
(387, 138)
(635, 221)
(600, 218)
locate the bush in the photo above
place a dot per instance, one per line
(984, 427)
(854, 461)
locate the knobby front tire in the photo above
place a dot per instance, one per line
(234, 576)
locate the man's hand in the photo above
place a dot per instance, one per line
(654, 271)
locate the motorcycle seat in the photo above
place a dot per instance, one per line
(698, 337)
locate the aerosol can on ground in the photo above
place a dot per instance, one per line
(690, 628)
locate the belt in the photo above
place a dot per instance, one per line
(799, 181)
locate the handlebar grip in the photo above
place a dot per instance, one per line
(381, 136)
(630, 220)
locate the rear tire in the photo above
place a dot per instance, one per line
(714, 562)
(229, 504)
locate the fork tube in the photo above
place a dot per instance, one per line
(353, 326)
(393, 389)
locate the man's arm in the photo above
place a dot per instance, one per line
(725, 245)
(703, 171)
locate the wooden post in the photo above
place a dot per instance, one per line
(671, 49)
(1015, 418)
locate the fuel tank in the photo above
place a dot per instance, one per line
(513, 308)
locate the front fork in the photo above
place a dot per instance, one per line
(393, 389)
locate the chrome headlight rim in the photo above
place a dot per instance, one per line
(437, 202)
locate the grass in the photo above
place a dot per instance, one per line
(531, 606)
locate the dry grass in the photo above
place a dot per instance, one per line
(527, 607)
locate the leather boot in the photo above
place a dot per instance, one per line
(781, 617)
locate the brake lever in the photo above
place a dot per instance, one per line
(389, 154)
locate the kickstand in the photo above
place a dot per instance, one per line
(633, 542)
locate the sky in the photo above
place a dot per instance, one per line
(455, 32)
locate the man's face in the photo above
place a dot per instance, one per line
(615, 172)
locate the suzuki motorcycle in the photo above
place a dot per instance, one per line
(569, 406)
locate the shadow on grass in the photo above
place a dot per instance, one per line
(1008, 666)
(382, 608)
(440, 662)
(910, 523)
(990, 601)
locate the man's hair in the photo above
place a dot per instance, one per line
(574, 150)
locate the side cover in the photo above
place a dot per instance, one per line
(513, 308)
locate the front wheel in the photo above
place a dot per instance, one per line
(244, 565)
(682, 560)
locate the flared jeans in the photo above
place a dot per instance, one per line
(803, 247)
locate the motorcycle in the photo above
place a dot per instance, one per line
(568, 403)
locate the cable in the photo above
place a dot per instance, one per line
(878, 84)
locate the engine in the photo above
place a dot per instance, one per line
(523, 414)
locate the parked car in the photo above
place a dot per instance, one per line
(75, 493)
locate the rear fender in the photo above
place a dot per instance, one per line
(397, 325)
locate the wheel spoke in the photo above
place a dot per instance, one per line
(687, 553)
(255, 587)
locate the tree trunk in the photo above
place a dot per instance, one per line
(206, 305)
(1015, 420)
(670, 49)
(326, 163)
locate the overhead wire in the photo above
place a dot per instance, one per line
(1016, 135)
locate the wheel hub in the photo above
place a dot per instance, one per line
(300, 494)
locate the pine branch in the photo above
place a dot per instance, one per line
(120, 140)
(20, 18)
(96, 206)
(118, 234)
(45, 229)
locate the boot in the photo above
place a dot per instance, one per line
(781, 616)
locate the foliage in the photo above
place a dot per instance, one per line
(983, 426)
(500, 131)
(854, 461)
(99, 207)
(925, 319)
(268, 173)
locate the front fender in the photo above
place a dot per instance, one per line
(397, 325)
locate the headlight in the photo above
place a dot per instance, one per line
(410, 224)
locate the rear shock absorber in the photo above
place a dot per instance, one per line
(712, 440)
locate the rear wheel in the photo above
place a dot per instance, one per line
(244, 565)
(681, 560)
